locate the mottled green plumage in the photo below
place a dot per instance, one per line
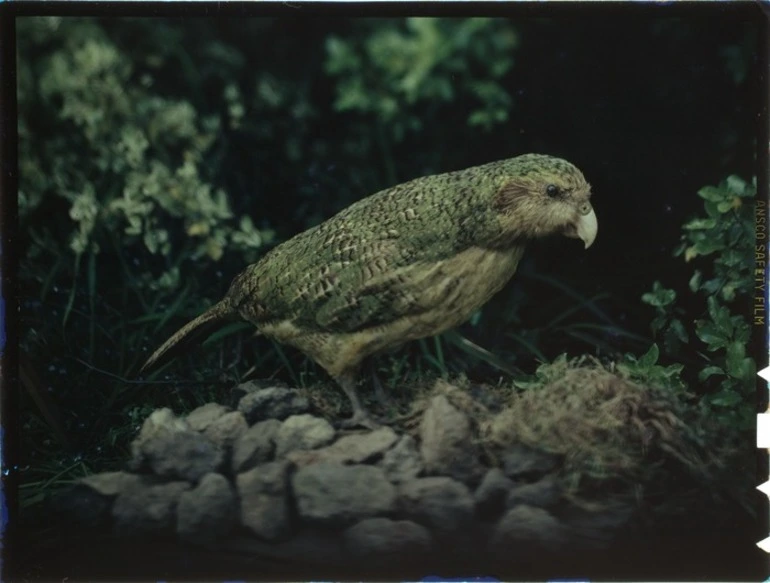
(407, 262)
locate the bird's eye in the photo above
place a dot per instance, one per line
(552, 190)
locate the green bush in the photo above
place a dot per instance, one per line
(719, 244)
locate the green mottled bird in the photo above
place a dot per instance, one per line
(407, 262)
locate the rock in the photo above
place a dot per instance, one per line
(595, 529)
(264, 496)
(521, 462)
(302, 432)
(272, 403)
(168, 447)
(187, 455)
(89, 501)
(442, 504)
(490, 496)
(199, 419)
(446, 442)
(226, 429)
(147, 509)
(111, 484)
(329, 494)
(526, 530)
(255, 446)
(208, 511)
(350, 449)
(239, 391)
(381, 540)
(543, 493)
(402, 462)
(159, 422)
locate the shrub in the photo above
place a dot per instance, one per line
(724, 237)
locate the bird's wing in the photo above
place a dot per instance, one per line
(376, 292)
(380, 281)
(375, 262)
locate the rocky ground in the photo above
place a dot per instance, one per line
(456, 482)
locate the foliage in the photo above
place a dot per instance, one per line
(127, 161)
(725, 237)
(424, 62)
(397, 79)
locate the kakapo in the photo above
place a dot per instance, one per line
(407, 262)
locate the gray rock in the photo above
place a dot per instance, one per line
(208, 511)
(89, 501)
(447, 442)
(402, 462)
(337, 495)
(180, 454)
(111, 483)
(255, 446)
(596, 528)
(147, 509)
(199, 419)
(264, 498)
(442, 504)
(226, 429)
(302, 432)
(523, 462)
(239, 391)
(491, 494)
(381, 540)
(272, 403)
(526, 530)
(161, 422)
(350, 449)
(543, 493)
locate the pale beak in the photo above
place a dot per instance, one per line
(587, 225)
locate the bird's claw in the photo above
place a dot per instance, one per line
(358, 420)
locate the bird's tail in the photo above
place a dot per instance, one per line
(203, 325)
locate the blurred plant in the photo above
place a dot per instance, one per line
(120, 225)
(725, 235)
(424, 61)
(127, 162)
(400, 76)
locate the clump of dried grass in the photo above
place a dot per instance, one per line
(613, 434)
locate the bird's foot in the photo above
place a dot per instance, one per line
(360, 419)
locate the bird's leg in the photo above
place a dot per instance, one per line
(361, 416)
(379, 391)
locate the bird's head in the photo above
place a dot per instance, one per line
(542, 195)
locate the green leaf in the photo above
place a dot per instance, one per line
(721, 316)
(711, 193)
(695, 280)
(711, 335)
(677, 328)
(725, 398)
(725, 206)
(711, 209)
(728, 292)
(708, 246)
(659, 296)
(736, 185)
(709, 371)
(700, 224)
(650, 357)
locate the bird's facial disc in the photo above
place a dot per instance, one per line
(585, 226)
